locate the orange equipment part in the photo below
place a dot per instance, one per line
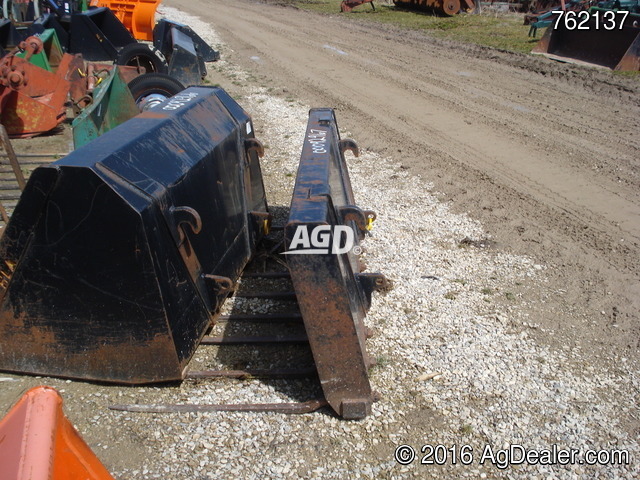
(139, 16)
(37, 442)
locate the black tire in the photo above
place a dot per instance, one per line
(158, 85)
(144, 56)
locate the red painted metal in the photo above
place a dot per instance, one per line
(445, 7)
(31, 98)
(348, 5)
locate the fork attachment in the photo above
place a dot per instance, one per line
(322, 239)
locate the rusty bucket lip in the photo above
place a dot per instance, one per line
(156, 279)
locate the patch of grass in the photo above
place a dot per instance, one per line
(461, 281)
(382, 361)
(499, 30)
(466, 429)
(486, 291)
(635, 74)
(510, 296)
(451, 295)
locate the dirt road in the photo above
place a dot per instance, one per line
(546, 155)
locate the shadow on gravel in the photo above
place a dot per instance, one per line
(264, 313)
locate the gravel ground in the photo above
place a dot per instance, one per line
(458, 364)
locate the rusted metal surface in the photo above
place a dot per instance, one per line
(86, 76)
(277, 345)
(444, 7)
(617, 49)
(31, 98)
(258, 317)
(74, 70)
(256, 340)
(288, 408)
(333, 295)
(3, 214)
(51, 52)
(114, 261)
(348, 5)
(252, 373)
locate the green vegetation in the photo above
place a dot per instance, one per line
(499, 30)
(466, 429)
(510, 296)
(451, 295)
(382, 361)
(635, 75)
